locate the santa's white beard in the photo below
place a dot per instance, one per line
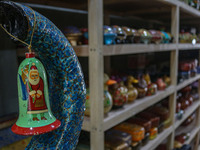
(34, 81)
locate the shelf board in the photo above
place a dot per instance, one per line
(187, 113)
(188, 46)
(120, 49)
(116, 116)
(161, 137)
(192, 135)
(86, 124)
(82, 50)
(187, 82)
(183, 6)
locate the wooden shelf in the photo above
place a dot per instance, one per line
(161, 137)
(123, 49)
(82, 50)
(183, 6)
(192, 135)
(188, 46)
(187, 113)
(187, 82)
(114, 117)
(86, 124)
(120, 49)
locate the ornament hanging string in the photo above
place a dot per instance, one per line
(28, 45)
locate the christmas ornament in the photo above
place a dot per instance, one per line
(145, 36)
(132, 91)
(152, 87)
(121, 34)
(119, 93)
(66, 84)
(33, 95)
(35, 116)
(109, 35)
(74, 35)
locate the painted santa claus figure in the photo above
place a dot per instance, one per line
(35, 88)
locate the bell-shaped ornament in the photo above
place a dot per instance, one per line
(35, 116)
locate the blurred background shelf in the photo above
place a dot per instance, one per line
(187, 82)
(187, 113)
(115, 117)
(159, 139)
(194, 132)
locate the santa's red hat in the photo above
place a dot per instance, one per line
(33, 67)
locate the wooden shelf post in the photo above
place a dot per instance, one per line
(175, 14)
(95, 25)
(198, 117)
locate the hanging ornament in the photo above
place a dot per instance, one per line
(35, 116)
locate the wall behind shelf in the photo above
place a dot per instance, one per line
(8, 80)
(138, 23)
(63, 19)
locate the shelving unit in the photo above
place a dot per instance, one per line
(97, 124)
(116, 116)
(187, 113)
(124, 49)
(162, 136)
(194, 132)
(187, 82)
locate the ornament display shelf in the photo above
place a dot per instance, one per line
(8, 120)
(193, 129)
(187, 82)
(184, 7)
(152, 144)
(122, 49)
(170, 12)
(7, 124)
(119, 49)
(187, 113)
(114, 117)
(194, 132)
(186, 46)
